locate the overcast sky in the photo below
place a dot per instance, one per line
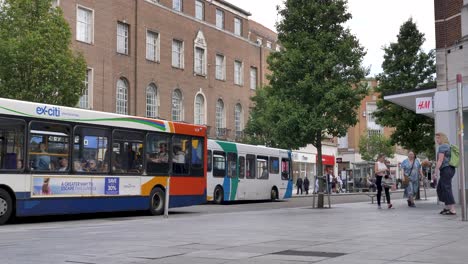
(375, 22)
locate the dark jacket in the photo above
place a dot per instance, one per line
(299, 182)
(306, 183)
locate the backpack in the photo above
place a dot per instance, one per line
(454, 156)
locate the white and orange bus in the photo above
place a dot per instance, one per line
(58, 160)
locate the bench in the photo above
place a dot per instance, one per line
(372, 196)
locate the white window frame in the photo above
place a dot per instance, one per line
(238, 119)
(123, 48)
(238, 26)
(253, 78)
(181, 106)
(200, 61)
(220, 120)
(121, 107)
(219, 18)
(220, 67)
(177, 5)
(199, 116)
(179, 53)
(199, 7)
(152, 46)
(89, 38)
(55, 3)
(86, 99)
(238, 73)
(152, 104)
(268, 45)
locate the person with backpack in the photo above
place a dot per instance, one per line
(447, 161)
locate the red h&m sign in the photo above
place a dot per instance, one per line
(423, 105)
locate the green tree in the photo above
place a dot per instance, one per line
(407, 67)
(36, 61)
(314, 87)
(373, 145)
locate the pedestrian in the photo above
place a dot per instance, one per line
(299, 184)
(306, 185)
(411, 168)
(446, 172)
(380, 171)
(329, 181)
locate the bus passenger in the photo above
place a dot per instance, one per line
(162, 156)
(264, 173)
(19, 164)
(179, 155)
(92, 166)
(63, 164)
(42, 161)
(77, 166)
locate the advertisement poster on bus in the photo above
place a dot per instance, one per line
(77, 186)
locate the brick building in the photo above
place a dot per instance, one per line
(195, 61)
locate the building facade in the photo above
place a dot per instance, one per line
(194, 61)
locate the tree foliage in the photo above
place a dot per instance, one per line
(373, 145)
(407, 67)
(314, 85)
(36, 61)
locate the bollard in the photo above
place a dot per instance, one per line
(166, 200)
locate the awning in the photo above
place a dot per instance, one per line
(328, 160)
(407, 99)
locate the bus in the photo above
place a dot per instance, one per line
(58, 160)
(246, 172)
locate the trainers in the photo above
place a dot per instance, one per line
(390, 206)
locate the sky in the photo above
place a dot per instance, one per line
(375, 23)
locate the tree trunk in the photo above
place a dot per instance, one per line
(318, 145)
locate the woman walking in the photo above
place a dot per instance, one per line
(412, 169)
(380, 171)
(444, 187)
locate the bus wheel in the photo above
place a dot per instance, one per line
(157, 200)
(274, 194)
(6, 206)
(218, 195)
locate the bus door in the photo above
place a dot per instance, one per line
(241, 188)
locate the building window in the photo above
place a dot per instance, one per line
(84, 25)
(152, 46)
(269, 44)
(199, 110)
(88, 84)
(372, 126)
(253, 78)
(199, 10)
(238, 76)
(177, 108)
(200, 61)
(177, 5)
(122, 38)
(55, 3)
(122, 97)
(278, 47)
(220, 120)
(238, 119)
(238, 26)
(152, 102)
(343, 141)
(220, 67)
(178, 54)
(219, 19)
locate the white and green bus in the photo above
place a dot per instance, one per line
(247, 172)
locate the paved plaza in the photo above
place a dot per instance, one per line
(347, 233)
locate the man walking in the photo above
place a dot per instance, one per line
(306, 185)
(299, 184)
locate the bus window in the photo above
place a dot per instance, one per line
(48, 144)
(90, 150)
(157, 153)
(285, 169)
(232, 165)
(262, 167)
(127, 152)
(181, 155)
(210, 160)
(250, 166)
(241, 167)
(274, 165)
(197, 157)
(11, 144)
(219, 164)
